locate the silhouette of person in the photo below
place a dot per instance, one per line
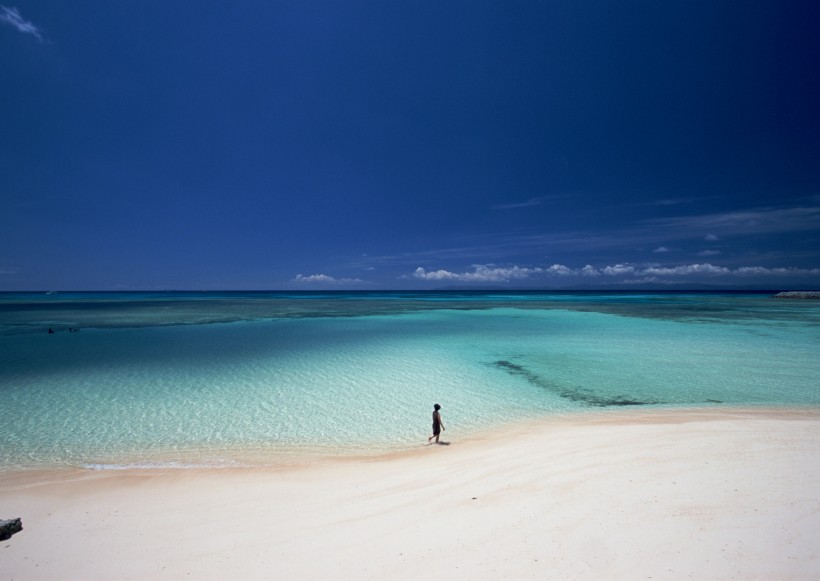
(438, 425)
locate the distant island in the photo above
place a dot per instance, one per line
(798, 295)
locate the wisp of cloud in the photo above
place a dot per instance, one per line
(12, 16)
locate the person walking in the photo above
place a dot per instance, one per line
(438, 425)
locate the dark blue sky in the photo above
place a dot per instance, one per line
(418, 144)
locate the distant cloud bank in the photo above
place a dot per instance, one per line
(12, 16)
(627, 272)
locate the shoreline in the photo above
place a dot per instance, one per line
(293, 456)
(706, 492)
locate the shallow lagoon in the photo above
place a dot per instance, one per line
(221, 378)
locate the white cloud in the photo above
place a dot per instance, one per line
(560, 270)
(314, 278)
(13, 17)
(661, 250)
(325, 279)
(480, 273)
(705, 268)
(436, 274)
(618, 270)
(589, 270)
(711, 238)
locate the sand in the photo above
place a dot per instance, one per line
(700, 494)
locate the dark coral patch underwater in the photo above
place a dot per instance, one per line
(577, 394)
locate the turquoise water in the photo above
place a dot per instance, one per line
(224, 378)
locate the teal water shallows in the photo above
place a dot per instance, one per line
(190, 394)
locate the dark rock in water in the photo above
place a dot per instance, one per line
(713, 401)
(9, 527)
(798, 295)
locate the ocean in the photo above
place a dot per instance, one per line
(116, 380)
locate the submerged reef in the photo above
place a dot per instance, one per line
(576, 394)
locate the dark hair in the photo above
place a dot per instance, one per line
(436, 407)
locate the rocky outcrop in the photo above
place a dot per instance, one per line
(9, 527)
(798, 295)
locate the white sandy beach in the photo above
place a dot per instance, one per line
(702, 494)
